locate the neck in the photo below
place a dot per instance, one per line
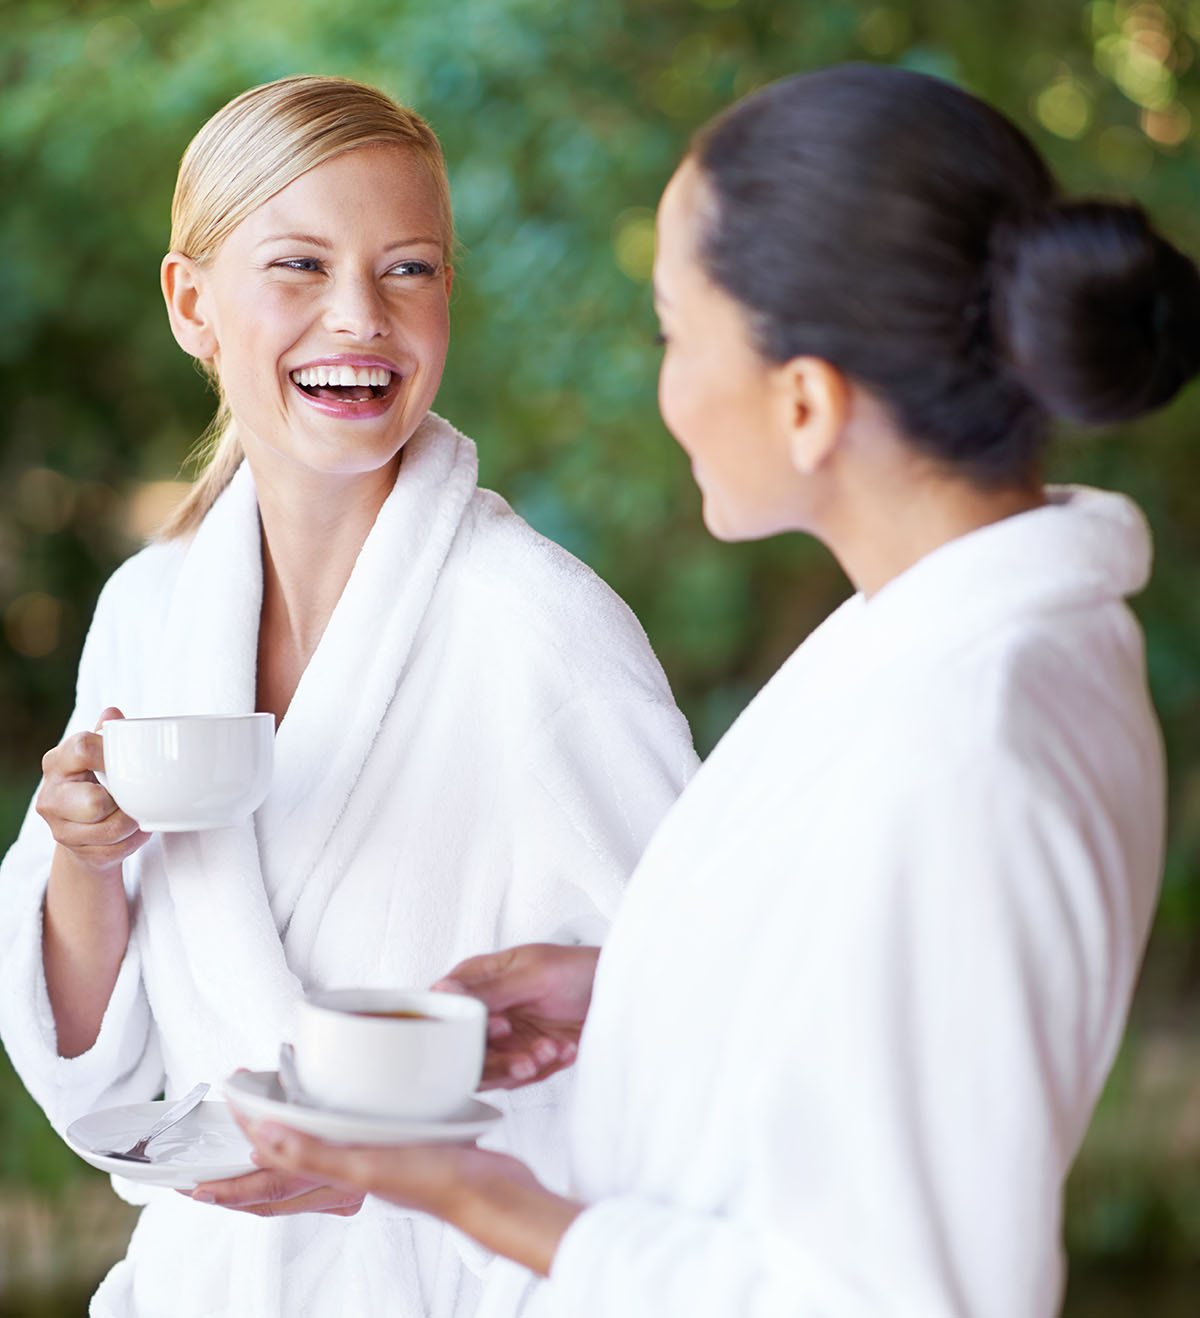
(890, 526)
(312, 534)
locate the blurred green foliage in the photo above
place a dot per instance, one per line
(561, 123)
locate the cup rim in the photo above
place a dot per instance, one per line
(337, 1002)
(190, 718)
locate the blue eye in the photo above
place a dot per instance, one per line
(308, 265)
(411, 268)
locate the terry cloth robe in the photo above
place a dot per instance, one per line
(864, 990)
(476, 756)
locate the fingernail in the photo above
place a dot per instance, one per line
(204, 1197)
(522, 1069)
(544, 1052)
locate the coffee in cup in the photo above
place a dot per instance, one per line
(188, 771)
(401, 1053)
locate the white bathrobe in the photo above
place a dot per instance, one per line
(867, 982)
(476, 756)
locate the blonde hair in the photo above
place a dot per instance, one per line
(248, 151)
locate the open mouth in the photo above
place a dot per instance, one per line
(344, 384)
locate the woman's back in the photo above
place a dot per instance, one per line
(893, 925)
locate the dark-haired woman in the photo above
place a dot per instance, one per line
(851, 1023)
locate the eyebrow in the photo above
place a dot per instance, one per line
(314, 241)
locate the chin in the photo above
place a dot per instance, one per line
(734, 524)
(721, 528)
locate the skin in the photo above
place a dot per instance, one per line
(345, 262)
(774, 447)
(537, 998)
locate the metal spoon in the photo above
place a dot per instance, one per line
(176, 1112)
(289, 1081)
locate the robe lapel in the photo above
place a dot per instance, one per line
(203, 893)
(336, 715)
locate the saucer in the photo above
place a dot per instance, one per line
(206, 1145)
(257, 1095)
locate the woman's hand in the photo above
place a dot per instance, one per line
(272, 1193)
(490, 1196)
(85, 821)
(537, 997)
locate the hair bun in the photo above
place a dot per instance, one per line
(1097, 314)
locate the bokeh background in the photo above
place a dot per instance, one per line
(561, 123)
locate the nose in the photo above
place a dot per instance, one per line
(355, 307)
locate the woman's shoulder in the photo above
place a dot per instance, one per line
(145, 579)
(532, 593)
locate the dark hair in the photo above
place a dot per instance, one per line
(910, 235)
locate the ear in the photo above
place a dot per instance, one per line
(811, 402)
(183, 290)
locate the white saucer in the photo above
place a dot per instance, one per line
(257, 1095)
(205, 1146)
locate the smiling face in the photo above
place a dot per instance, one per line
(732, 411)
(325, 315)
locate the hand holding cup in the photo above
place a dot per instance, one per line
(537, 996)
(82, 815)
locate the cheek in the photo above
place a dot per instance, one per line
(259, 322)
(676, 397)
(438, 333)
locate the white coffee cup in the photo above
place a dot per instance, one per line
(188, 771)
(355, 1053)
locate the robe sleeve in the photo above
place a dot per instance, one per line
(597, 780)
(976, 963)
(123, 1065)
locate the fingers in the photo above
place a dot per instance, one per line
(84, 819)
(527, 1063)
(272, 1193)
(498, 1027)
(81, 815)
(253, 1188)
(498, 978)
(75, 802)
(300, 1155)
(80, 754)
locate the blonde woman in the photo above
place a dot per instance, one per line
(474, 739)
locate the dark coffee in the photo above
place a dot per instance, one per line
(400, 1015)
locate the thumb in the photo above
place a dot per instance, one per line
(289, 1150)
(111, 712)
(499, 979)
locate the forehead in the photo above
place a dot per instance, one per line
(681, 211)
(368, 184)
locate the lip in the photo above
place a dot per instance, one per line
(345, 410)
(348, 359)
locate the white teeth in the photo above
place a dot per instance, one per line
(342, 375)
